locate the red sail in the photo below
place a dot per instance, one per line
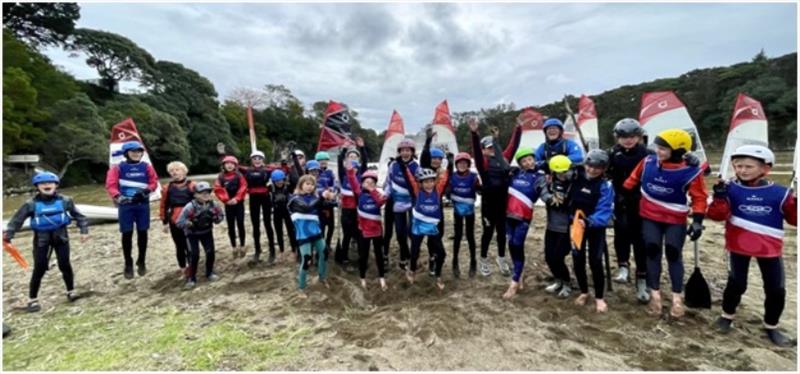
(586, 110)
(530, 119)
(396, 126)
(442, 116)
(746, 109)
(329, 138)
(654, 103)
(125, 131)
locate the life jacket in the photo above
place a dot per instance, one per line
(369, 216)
(348, 196)
(132, 178)
(178, 197)
(230, 185)
(554, 149)
(664, 191)
(305, 216)
(426, 214)
(522, 194)
(49, 215)
(400, 190)
(202, 217)
(257, 179)
(584, 193)
(462, 193)
(623, 162)
(326, 179)
(495, 179)
(755, 227)
(280, 196)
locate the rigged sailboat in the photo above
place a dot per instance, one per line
(663, 110)
(394, 134)
(442, 124)
(121, 133)
(587, 122)
(532, 123)
(748, 126)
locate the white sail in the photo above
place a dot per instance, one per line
(394, 134)
(662, 111)
(748, 126)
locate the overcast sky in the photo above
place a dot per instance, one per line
(409, 57)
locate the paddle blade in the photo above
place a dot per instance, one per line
(14, 253)
(577, 230)
(697, 293)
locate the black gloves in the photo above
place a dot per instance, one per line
(141, 196)
(122, 200)
(691, 159)
(696, 227)
(721, 190)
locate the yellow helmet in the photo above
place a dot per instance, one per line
(559, 163)
(674, 139)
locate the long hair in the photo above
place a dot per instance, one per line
(304, 179)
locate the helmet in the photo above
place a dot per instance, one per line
(437, 153)
(257, 154)
(463, 156)
(597, 158)
(674, 139)
(628, 127)
(370, 174)
(523, 152)
(559, 163)
(312, 165)
(231, 159)
(322, 155)
(131, 146)
(299, 153)
(553, 122)
(277, 176)
(45, 177)
(758, 152)
(353, 150)
(406, 143)
(202, 187)
(487, 141)
(425, 173)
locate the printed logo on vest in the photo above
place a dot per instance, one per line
(754, 198)
(660, 190)
(134, 174)
(758, 210)
(428, 208)
(661, 180)
(521, 183)
(369, 206)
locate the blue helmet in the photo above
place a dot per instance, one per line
(45, 177)
(437, 153)
(130, 146)
(312, 165)
(277, 176)
(553, 122)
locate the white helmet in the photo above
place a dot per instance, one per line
(299, 153)
(758, 152)
(257, 154)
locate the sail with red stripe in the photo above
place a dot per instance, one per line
(394, 134)
(335, 131)
(662, 110)
(748, 126)
(587, 122)
(122, 132)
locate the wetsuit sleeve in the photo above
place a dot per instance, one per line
(183, 218)
(697, 191)
(635, 178)
(112, 181)
(354, 185)
(80, 219)
(25, 211)
(476, 153)
(513, 143)
(425, 157)
(219, 212)
(441, 184)
(574, 152)
(498, 156)
(412, 182)
(152, 178)
(790, 209)
(719, 210)
(220, 191)
(162, 206)
(605, 207)
(364, 159)
(379, 198)
(539, 154)
(242, 188)
(541, 188)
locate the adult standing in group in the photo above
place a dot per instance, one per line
(556, 144)
(257, 176)
(129, 184)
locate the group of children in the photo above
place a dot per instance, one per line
(648, 195)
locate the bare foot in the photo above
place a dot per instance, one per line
(677, 310)
(410, 277)
(654, 308)
(521, 282)
(302, 294)
(440, 284)
(512, 290)
(600, 305)
(384, 286)
(363, 283)
(325, 283)
(581, 300)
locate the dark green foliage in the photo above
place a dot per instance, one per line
(41, 24)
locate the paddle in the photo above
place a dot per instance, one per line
(697, 293)
(15, 254)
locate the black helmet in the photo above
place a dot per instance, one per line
(628, 127)
(597, 158)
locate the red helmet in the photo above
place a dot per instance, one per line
(370, 174)
(231, 159)
(463, 156)
(406, 143)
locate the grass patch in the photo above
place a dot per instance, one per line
(159, 340)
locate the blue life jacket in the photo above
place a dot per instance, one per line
(305, 216)
(667, 187)
(401, 191)
(758, 209)
(426, 214)
(132, 178)
(462, 193)
(49, 215)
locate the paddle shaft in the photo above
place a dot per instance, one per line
(695, 254)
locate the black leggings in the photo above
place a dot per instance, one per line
(627, 234)
(181, 246)
(772, 274)
(261, 203)
(594, 243)
(363, 255)
(493, 214)
(127, 247)
(671, 237)
(281, 219)
(41, 265)
(458, 228)
(434, 246)
(388, 223)
(402, 223)
(350, 233)
(327, 220)
(207, 240)
(234, 215)
(556, 248)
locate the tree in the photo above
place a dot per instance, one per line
(19, 112)
(41, 24)
(80, 134)
(115, 57)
